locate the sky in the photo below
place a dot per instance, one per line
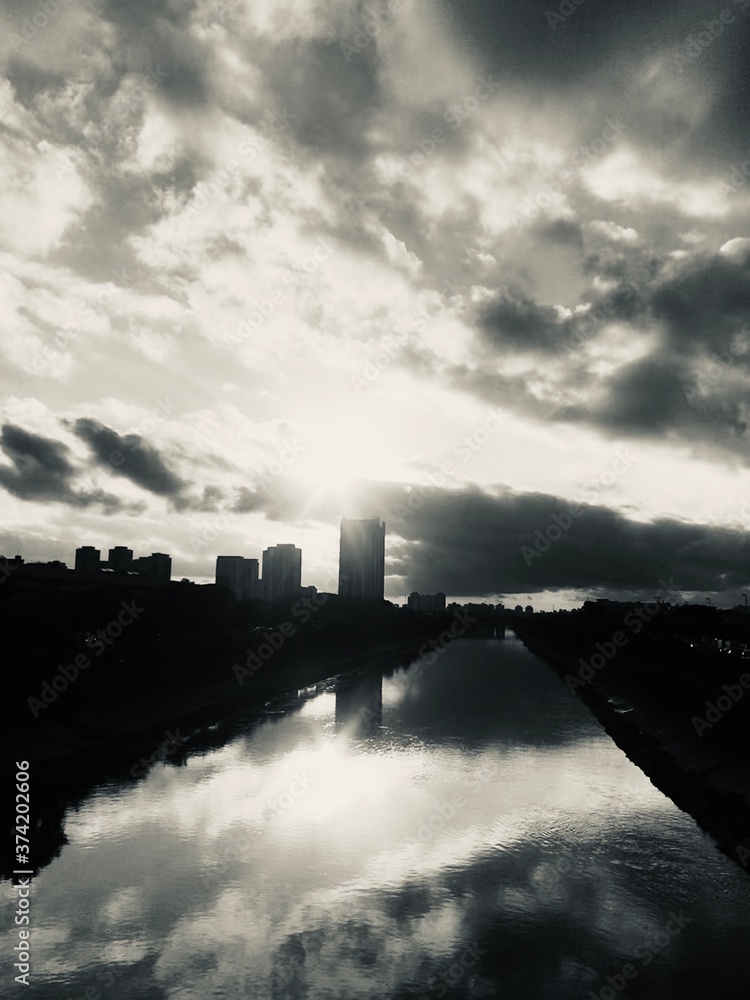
(480, 268)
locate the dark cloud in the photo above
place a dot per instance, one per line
(703, 303)
(128, 456)
(43, 472)
(562, 231)
(692, 383)
(515, 322)
(212, 497)
(100, 247)
(156, 33)
(470, 543)
(597, 50)
(330, 102)
(247, 501)
(42, 468)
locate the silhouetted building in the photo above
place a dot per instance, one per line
(120, 558)
(8, 566)
(362, 559)
(476, 610)
(240, 575)
(282, 571)
(157, 567)
(88, 558)
(426, 604)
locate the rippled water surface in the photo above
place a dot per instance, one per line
(468, 832)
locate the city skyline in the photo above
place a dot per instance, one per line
(361, 566)
(261, 267)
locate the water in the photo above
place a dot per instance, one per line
(469, 832)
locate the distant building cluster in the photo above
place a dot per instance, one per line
(361, 567)
(51, 581)
(281, 575)
(157, 567)
(276, 577)
(426, 604)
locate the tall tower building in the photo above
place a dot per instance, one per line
(282, 571)
(362, 559)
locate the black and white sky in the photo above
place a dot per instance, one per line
(460, 264)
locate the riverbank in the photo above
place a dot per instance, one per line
(108, 713)
(710, 780)
(112, 742)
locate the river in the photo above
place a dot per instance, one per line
(464, 829)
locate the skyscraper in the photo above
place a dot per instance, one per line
(282, 571)
(362, 558)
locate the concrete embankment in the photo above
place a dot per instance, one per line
(711, 782)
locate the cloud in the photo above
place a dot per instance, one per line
(684, 373)
(43, 472)
(471, 542)
(514, 321)
(129, 457)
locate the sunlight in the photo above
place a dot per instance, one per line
(340, 453)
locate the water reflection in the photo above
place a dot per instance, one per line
(465, 831)
(359, 704)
